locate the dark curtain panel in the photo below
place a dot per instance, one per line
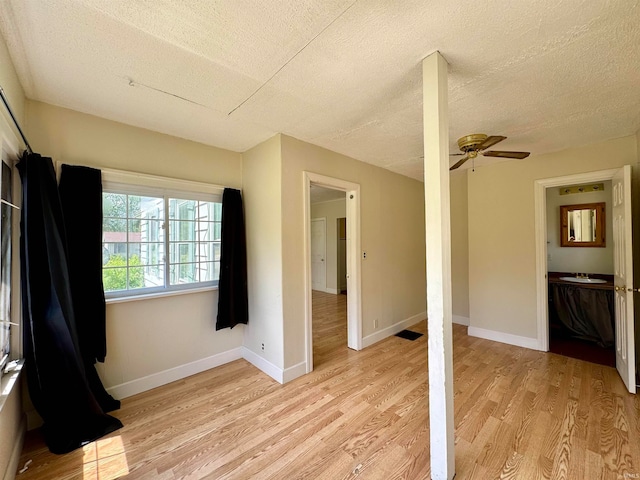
(233, 304)
(56, 375)
(80, 192)
(586, 312)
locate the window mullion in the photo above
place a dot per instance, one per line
(167, 252)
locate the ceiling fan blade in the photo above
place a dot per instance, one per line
(456, 154)
(490, 142)
(459, 163)
(496, 153)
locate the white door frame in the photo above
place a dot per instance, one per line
(541, 241)
(354, 286)
(324, 254)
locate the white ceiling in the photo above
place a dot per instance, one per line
(342, 74)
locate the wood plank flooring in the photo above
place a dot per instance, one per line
(519, 414)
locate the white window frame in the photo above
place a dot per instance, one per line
(118, 181)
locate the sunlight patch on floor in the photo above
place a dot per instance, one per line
(105, 459)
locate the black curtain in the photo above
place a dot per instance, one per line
(233, 304)
(80, 190)
(56, 372)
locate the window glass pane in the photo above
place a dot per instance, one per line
(114, 254)
(154, 276)
(185, 253)
(134, 254)
(182, 231)
(217, 212)
(112, 226)
(205, 231)
(136, 277)
(114, 205)
(146, 254)
(114, 278)
(208, 271)
(217, 231)
(146, 207)
(182, 273)
(147, 231)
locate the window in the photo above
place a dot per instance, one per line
(156, 238)
(6, 211)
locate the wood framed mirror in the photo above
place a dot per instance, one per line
(582, 225)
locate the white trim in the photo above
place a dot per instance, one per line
(14, 459)
(110, 175)
(460, 320)
(9, 381)
(540, 199)
(508, 338)
(164, 293)
(294, 372)
(158, 379)
(354, 281)
(393, 329)
(263, 364)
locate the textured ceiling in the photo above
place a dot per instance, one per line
(345, 75)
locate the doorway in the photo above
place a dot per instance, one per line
(351, 193)
(623, 267)
(580, 242)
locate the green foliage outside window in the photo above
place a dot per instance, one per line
(116, 278)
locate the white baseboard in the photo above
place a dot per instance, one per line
(154, 380)
(294, 372)
(517, 340)
(393, 329)
(460, 320)
(263, 364)
(13, 465)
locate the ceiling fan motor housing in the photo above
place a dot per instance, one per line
(471, 142)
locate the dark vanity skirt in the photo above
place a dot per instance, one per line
(585, 312)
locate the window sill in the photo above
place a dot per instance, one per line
(148, 296)
(8, 382)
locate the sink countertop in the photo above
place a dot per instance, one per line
(554, 277)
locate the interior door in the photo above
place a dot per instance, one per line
(318, 254)
(623, 271)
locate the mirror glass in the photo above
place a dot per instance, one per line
(582, 225)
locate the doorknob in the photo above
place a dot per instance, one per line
(637, 290)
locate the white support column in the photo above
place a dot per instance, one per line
(438, 239)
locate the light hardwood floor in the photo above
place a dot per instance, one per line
(518, 414)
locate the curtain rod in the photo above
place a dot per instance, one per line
(15, 120)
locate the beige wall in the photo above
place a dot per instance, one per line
(578, 259)
(331, 211)
(458, 186)
(392, 233)
(144, 337)
(11, 412)
(262, 202)
(502, 258)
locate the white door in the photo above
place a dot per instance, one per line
(318, 254)
(623, 271)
